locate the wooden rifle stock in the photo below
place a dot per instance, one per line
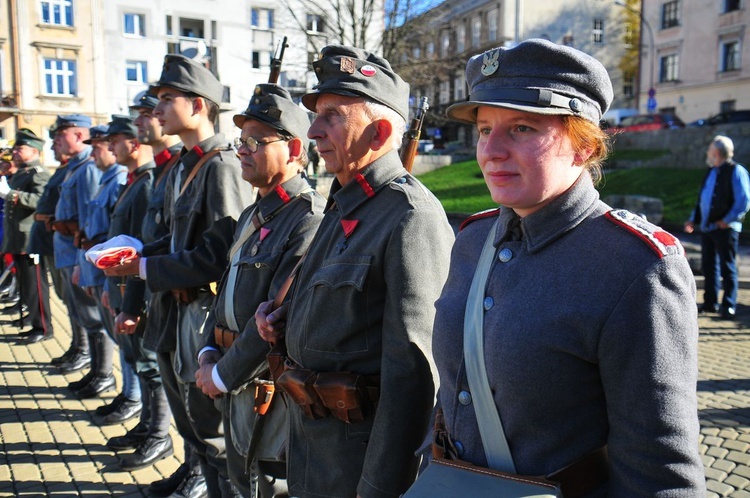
(411, 137)
(278, 56)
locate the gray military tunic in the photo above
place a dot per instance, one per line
(364, 303)
(27, 185)
(590, 335)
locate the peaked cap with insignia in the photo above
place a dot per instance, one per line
(71, 121)
(273, 105)
(25, 136)
(536, 76)
(353, 72)
(145, 100)
(97, 133)
(122, 124)
(189, 76)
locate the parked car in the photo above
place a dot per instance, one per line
(722, 118)
(614, 117)
(647, 122)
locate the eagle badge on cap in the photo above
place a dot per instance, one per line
(367, 70)
(347, 65)
(489, 62)
(258, 90)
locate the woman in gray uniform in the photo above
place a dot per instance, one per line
(589, 319)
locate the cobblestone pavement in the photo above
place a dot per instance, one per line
(50, 443)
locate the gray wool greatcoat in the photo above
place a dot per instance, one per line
(212, 201)
(27, 185)
(590, 340)
(364, 303)
(263, 266)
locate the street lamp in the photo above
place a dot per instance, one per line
(652, 48)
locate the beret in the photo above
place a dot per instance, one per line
(145, 100)
(353, 72)
(189, 76)
(25, 136)
(96, 133)
(273, 106)
(72, 120)
(122, 124)
(536, 76)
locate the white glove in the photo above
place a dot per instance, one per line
(4, 187)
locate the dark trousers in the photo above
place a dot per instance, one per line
(199, 423)
(719, 257)
(34, 290)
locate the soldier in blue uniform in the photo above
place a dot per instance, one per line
(587, 319)
(79, 185)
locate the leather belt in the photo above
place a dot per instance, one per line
(225, 337)
(43, 217)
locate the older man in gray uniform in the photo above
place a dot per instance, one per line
(270, 238)
(205, 192)
(21, 195)
(360, 316)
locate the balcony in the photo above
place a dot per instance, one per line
(8, 106)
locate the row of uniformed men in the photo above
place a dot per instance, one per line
(360, 303)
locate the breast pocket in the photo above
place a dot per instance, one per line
(337, 318)
(254, 275)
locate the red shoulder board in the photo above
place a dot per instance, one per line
(661, 242)
(478, 216)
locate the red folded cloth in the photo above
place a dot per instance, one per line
(115, 257)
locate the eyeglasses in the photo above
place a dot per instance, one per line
(252, 144)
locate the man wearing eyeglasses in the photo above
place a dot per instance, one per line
(270, 238)
(204, 193)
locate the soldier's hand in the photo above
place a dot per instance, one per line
(105, 302)
(205, 381)
(4, 187)
(124, 270)
(209, 356)
(126, 323)
(76, 276)
(271, 323)
(689, 227)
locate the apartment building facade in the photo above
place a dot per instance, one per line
(698, 64)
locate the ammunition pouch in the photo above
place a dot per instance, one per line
(299, 384)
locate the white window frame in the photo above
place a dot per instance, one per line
(416, 52)
(476, 31)
(430, 48)
(261, 18)
(445, 92)
(315, 23)
(139, 25)
(597, 31)
(141, 71)
(492, 25)
(460, 38)
(60, 79)
(445, 44)
(459, 87)
(65, 10)
(672, 69)
(736, 65)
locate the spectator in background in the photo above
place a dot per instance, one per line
(723, 200)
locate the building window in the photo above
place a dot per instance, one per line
(135, 71)
(731, 5)
(58, 12)
(628, 85)
(670, 14)
(261, 59)
(445, 92)
(315, 23)
(261, 18)
(597, 34)
(430, 49)
(460, 38)
(312, 57)
(727, 106)
(60, 77)
(459, 87)
(730, 56)
(445, 45)
(169, 25)
(476, 31)
(135, 25)
(492, 25)
(668, 68)
(416, 52)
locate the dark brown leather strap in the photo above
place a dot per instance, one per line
(225, 337)
(167, 166)
(127, 189)
(197, 167)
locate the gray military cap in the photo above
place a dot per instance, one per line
(96, 134)
(353, 72)
(189, 76)
(25, 136)
(122, 124)
(536, 76)
(273, 105)
(145, 100)
(72, 121)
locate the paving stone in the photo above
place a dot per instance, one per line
(736, 445)
(719, 488)
(737, 482)
(739, 457)
(715, 474)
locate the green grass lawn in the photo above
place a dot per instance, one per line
(461, 189)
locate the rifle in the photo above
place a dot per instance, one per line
(409, 148)
(278, 56)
